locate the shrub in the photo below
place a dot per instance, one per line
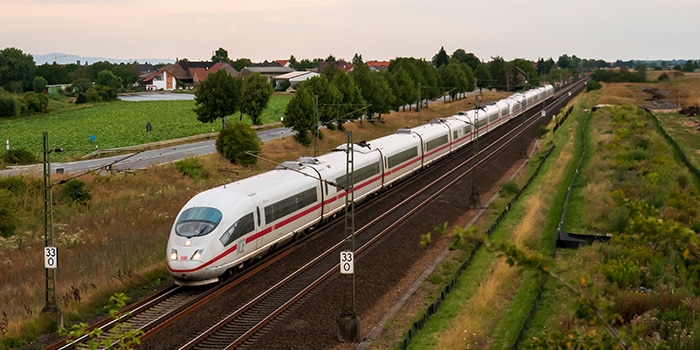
(509, 188)
(192, 168)
(593, 85)
(33, 102)
(13, 184)
(9, 106)
(623, 271)
(19, 156)
(39, 84)
(75, 190)
(235, 140)
(8, 223)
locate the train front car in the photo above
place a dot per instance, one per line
(195, 253)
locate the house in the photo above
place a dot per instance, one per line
(294, 78)
(184, 74)
(378, 66)
(268, 69)
(284, 63)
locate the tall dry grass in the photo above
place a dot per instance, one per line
(485, 308)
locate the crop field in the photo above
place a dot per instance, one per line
(116, 124)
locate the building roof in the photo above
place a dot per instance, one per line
(378, 65)
(267, 70)
(292, 75)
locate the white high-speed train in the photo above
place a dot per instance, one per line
(221, 229)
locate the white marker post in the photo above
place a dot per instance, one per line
(347, 263)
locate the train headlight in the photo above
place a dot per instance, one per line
(173, 254)
(197, 254)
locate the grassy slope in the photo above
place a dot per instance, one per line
(481, 316)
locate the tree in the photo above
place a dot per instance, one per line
(456, 77)
(236, 142)
(530, 72)
(54, 73)
(497, 68)
(220, 55)
(217, 97)
(39, 84)
(688, 66)
(108, 79)
(299, 115)
(403, 87)
(441, 58)
(468, 58)
(357, 59)
(256, 94)
(329, 99)
(374, 88)
(241, 63)
(16, 70)
(482, 76)
(351, 100)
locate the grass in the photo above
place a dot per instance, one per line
(115, 124)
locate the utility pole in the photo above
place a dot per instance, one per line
(348, 321)
(50, 251)
(316, 126)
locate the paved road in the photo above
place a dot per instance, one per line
(140, 159)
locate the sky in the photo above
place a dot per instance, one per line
(375, 29)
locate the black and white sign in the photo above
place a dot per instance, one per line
(50, 257)
(347, 263)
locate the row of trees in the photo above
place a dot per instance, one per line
(336, 96)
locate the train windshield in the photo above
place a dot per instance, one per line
(198, 221)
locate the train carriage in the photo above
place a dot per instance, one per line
(219, 230)
(435, 140)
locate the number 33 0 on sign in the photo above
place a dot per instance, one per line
(347, 263)
(50, 257)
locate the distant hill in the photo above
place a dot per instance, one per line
(64, 58)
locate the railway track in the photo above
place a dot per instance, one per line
(240, 326)
(156, 312)
(238, 329)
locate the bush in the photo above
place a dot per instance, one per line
(9, 106)
(192, 168)
(593, 85)
(235, 140)
(75, 190)
(624, 272)
(19, 156)
(8, 223)
(509, 188)
(13, 184)
(33, 102)
(39, 84)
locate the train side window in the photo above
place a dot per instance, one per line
(244, 225)
(359, 175)
(436, 142)
(403, 156)
(290, 204)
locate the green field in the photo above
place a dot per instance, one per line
(116, 124)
